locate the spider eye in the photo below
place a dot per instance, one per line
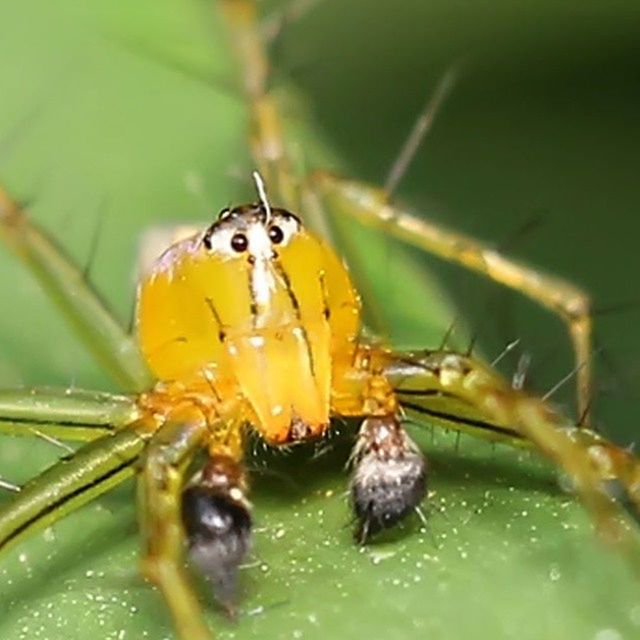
(276, 235)
(224, 213)
(206, 240)
(239, 242)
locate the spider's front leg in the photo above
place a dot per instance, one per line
(461, 393)
(390, 475)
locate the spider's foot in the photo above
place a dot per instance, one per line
(390, 476)
(217, 520)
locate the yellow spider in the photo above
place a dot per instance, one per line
(253, 324)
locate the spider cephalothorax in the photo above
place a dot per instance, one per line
(258, 303)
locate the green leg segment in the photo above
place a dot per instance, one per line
(67, 286)
(161, 484)
(64, 414)
(69, 484)
(370, 206)
(422, 395)
(461, 393)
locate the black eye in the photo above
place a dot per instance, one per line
(239, 242)
(276, 234)
(206, 240)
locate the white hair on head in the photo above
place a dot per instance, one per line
(262, 193)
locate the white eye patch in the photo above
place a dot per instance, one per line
(246, 233)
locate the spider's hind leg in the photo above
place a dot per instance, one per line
(390, 476)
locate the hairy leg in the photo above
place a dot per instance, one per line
(370, 206)
(461, 393)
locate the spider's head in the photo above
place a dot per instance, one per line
(250, 232)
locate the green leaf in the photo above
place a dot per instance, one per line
(106, 118)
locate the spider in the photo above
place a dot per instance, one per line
(254, 323)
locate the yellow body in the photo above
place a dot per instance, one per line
(274, 325)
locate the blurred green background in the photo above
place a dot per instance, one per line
(110, 112)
